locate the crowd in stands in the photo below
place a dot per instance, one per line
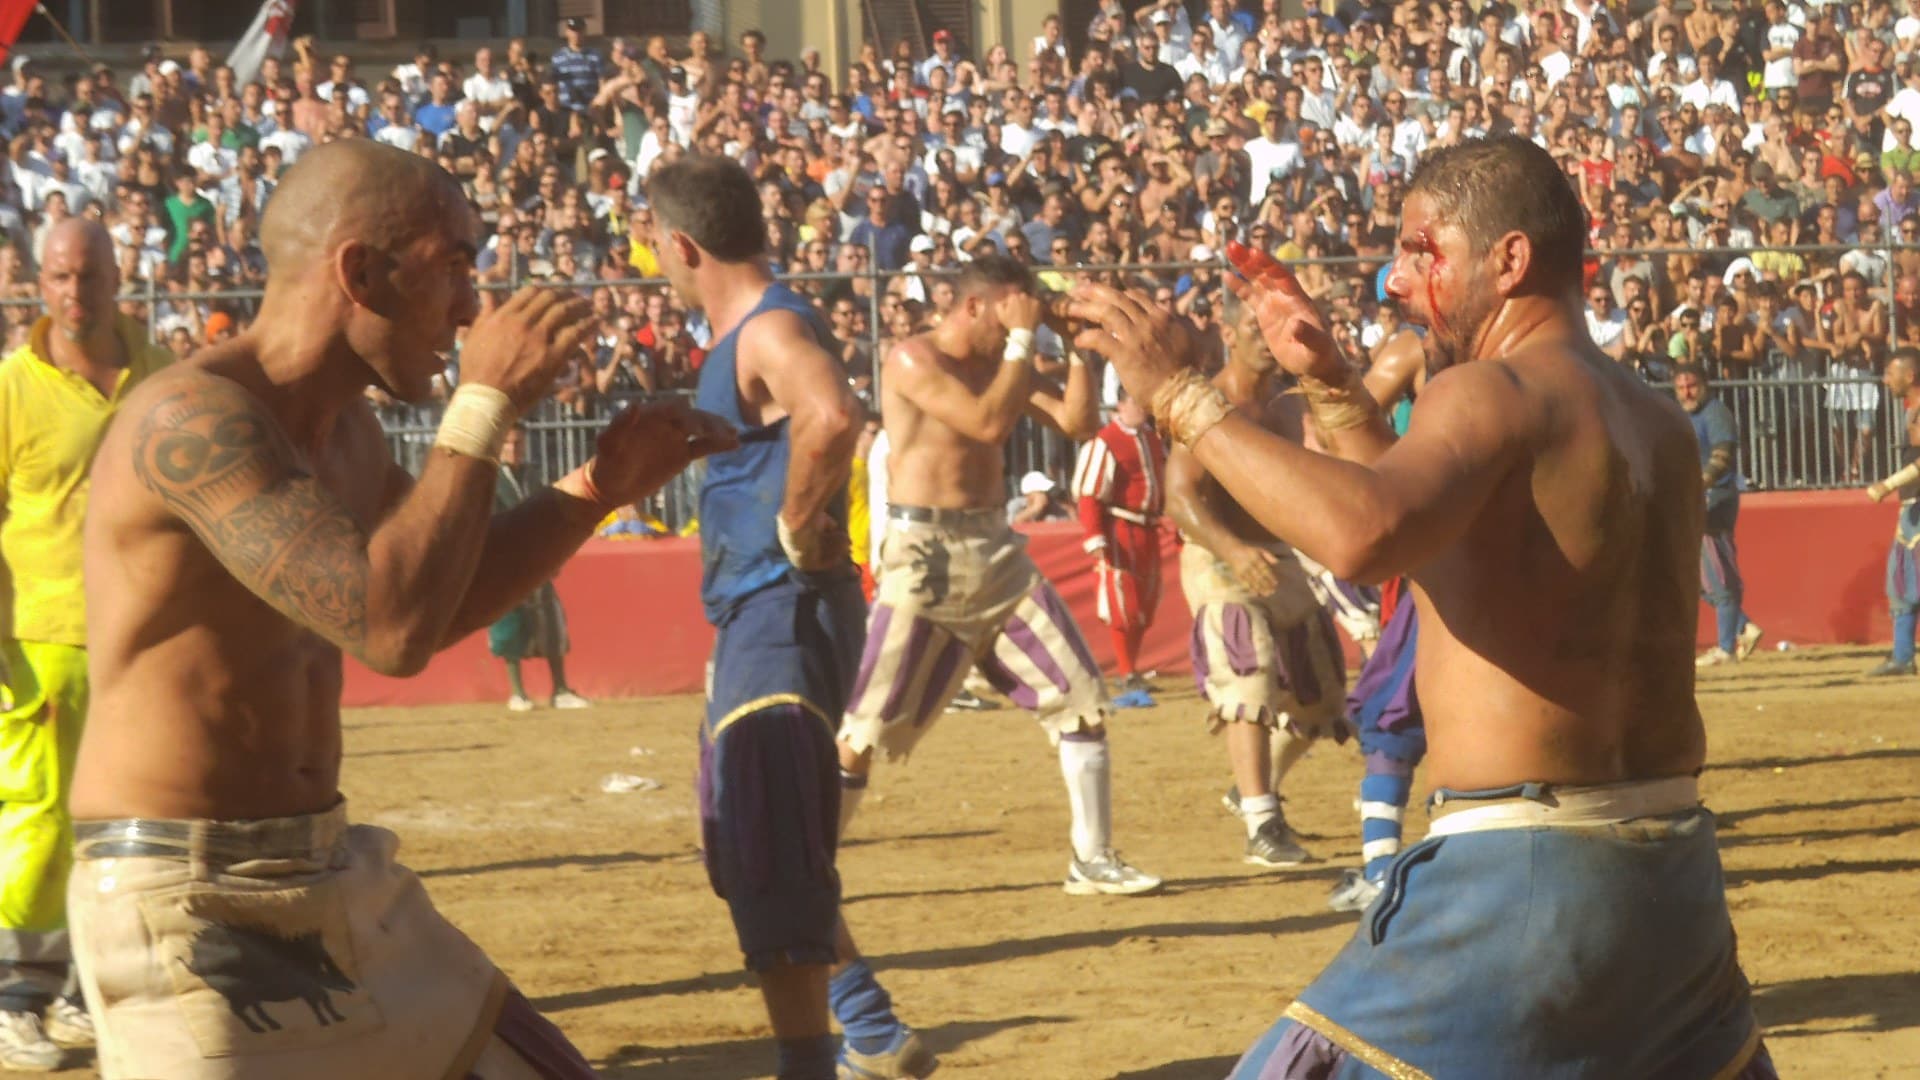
(1152, 135)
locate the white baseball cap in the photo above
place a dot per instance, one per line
(1035, 482)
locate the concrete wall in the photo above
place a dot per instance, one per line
(832, 26)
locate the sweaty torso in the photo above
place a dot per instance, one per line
(929, 463)
(1556, 635)
(207, 703)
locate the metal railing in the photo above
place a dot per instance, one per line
(1796, 432)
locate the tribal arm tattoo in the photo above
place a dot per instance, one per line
(224, 468)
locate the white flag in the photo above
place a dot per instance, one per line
(266, 37)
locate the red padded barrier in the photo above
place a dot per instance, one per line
(1814, 565)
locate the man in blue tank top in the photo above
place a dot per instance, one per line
(780, 588)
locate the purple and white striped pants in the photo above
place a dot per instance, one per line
(950, 598)
(1269, 658)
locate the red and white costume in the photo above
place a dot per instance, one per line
(1120, 489)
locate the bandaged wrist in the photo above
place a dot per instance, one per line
(476, 423)
(1019, 346)
(1187, 406)
(798, 544)
(1074, 359)
(1337, 407)
(1902, 478)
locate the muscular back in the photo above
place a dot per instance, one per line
(1557, 632)
(209, 701)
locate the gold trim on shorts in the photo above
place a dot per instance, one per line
(1353, 1044)
(1744, 1057)
(483, 1030)
(767, 703)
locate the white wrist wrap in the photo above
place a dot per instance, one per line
(1019, 346)
(476, 423)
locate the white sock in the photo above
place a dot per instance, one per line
(1089, 774)
(1287, 748)
(1257, 810)
(853, 788)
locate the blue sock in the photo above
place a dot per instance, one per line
(1384, 791)
(812, 1058)
(863, 1008)
(1730, 621)
(1903, 627)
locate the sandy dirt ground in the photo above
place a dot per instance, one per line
(598, 906)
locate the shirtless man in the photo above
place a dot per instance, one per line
(1547, 507)
(249, 528)
(1857, 331)
(1265, 653)
(956, 586)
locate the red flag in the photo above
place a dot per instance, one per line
(13, 17)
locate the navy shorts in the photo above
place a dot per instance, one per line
(769, 770)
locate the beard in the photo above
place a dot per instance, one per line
(1452, 331)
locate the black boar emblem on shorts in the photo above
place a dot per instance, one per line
(251, 967)
(931, 565)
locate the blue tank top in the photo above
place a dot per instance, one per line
(745, 487)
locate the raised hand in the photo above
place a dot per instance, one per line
(649, 444)
(1145, 343)
(1293, 328)
(1019, 310)
(522, 346)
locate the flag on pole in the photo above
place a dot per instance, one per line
(13, 18)
(266, 37)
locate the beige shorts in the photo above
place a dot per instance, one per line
(1271, 659)
(288, 948)
(954, 595)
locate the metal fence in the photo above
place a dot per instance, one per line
(1796, 432)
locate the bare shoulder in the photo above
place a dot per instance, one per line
(912, 356)
(190, 433)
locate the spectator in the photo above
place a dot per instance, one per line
(577, 70)
(538, 627)
(436, 115)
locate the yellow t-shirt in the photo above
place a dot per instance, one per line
(51, 422)
(640, 256)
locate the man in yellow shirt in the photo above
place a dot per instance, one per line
(57, 393)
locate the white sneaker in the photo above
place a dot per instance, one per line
(1108, 874)
(69, 1024)
(1713, 657)
(1750, 640)
(24, 1046)
(567, 699)
(519, 703)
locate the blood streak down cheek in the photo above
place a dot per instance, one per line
(1423, 242)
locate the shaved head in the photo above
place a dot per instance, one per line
(354, 190)
(372, 248)
(79, 278)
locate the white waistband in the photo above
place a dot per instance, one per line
(1134, 516)
(1565, 807)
